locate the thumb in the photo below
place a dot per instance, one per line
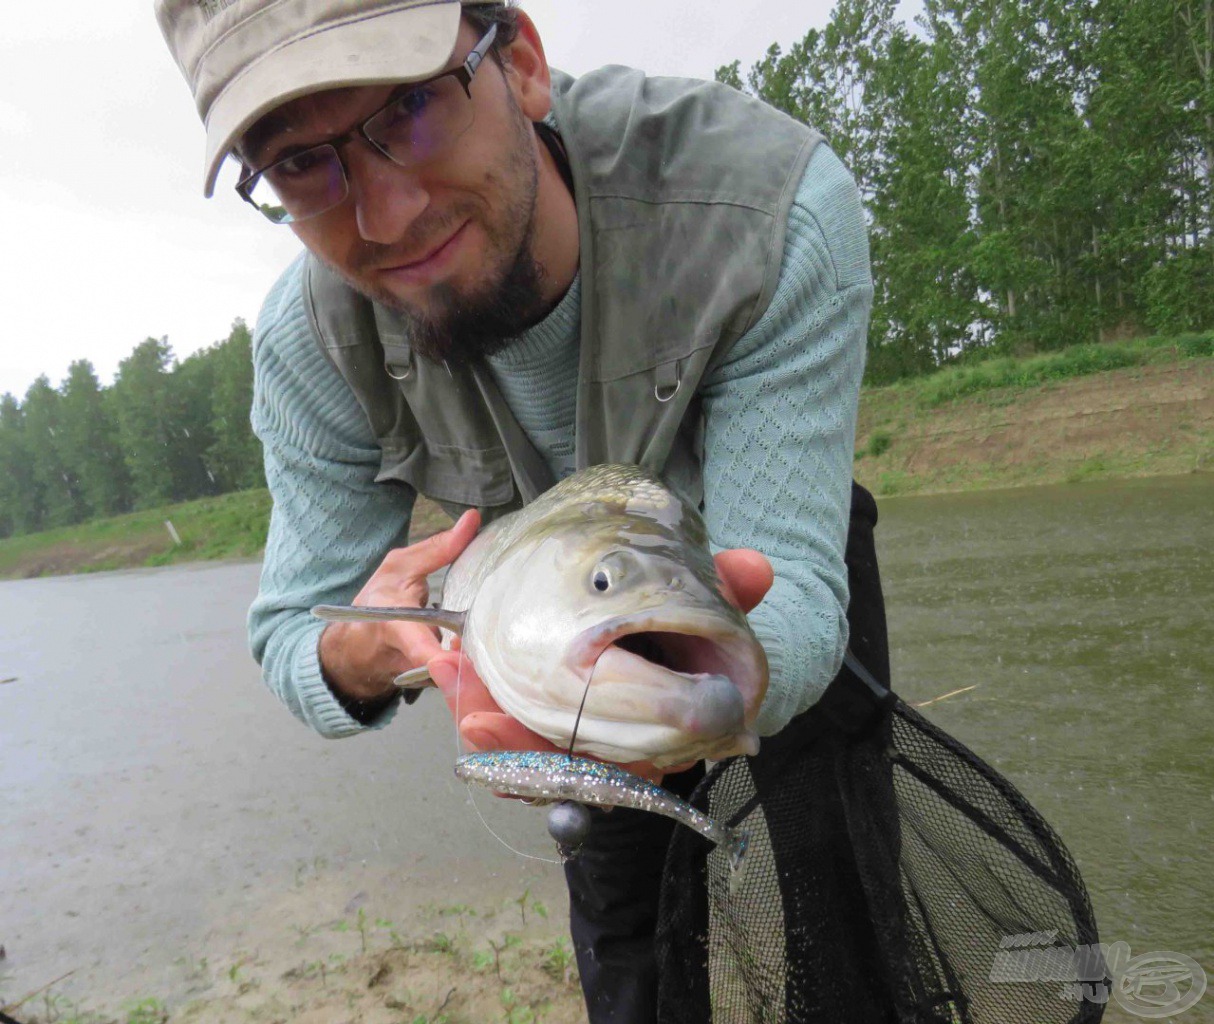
(746, 576)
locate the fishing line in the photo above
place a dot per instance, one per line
(459, 690)
(578, 721)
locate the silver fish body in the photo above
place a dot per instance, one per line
(603, 590)
(540, 775)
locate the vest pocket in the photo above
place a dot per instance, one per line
(453, 475)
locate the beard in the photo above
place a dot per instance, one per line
(464, 324)
(472, 325)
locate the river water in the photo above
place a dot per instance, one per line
(1082, 616)
(158, 807)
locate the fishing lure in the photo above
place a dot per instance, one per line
(552, 776)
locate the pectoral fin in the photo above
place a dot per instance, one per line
(414, 679)
(440, 617)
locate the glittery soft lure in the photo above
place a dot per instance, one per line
(602, 591)
(554, 776)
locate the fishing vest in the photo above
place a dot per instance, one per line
(683, 191)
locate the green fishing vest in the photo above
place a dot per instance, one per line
(683, 191)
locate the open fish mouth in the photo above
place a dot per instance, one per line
(683, 654)
(696, 677)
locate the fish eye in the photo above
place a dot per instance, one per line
(610, 571)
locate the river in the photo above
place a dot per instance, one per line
(160, 809)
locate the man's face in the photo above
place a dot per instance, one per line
(448, 243)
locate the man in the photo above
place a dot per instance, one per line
(513, 274)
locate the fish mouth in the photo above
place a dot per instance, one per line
(704, 677)
(681, 653)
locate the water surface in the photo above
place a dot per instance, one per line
(1082, 615)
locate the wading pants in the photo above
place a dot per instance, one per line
(614, 884)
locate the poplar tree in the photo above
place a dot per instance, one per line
(150, 416)
(62, 500)
(235, 456)
(21, 507)
(87, 441)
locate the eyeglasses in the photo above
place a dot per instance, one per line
(419, 122)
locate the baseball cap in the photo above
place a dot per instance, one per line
(243, 58)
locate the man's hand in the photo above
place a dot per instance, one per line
(746, 576)
(361, 659)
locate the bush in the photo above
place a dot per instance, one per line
(878, 443)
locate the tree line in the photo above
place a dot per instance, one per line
(1037, 172)
(164, 431)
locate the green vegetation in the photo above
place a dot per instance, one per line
(228, 526)
(1093, 412)
(1036, 174)
(969, 378)
(163, 432)
(1037, 179)
(495, 968)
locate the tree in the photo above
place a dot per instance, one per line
(193, 384)
(825, 80)
(235, 455)
(63, 501)
(926, 306)
(87, 442)
(22, 509)
(150, 416)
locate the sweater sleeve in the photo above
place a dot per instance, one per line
(780, 420)
(331, 523)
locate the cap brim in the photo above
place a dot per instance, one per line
(388, 47)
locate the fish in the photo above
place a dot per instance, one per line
(545, 775)
(594, 616)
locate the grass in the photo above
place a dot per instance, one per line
(963, 380)
(230, 526)
(1023, 422)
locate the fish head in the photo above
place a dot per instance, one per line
(608, 607)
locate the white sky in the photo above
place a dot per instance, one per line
(109, 238)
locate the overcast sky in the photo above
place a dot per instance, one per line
(109, 238)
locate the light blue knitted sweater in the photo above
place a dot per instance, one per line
(780, 422)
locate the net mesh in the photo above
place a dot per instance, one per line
(884, 872)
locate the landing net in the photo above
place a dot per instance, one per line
(889, 871)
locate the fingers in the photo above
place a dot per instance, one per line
(746, 576)
(482, 723)
(461, 687)
(362, 658)
(431, 554)
(488, 730)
